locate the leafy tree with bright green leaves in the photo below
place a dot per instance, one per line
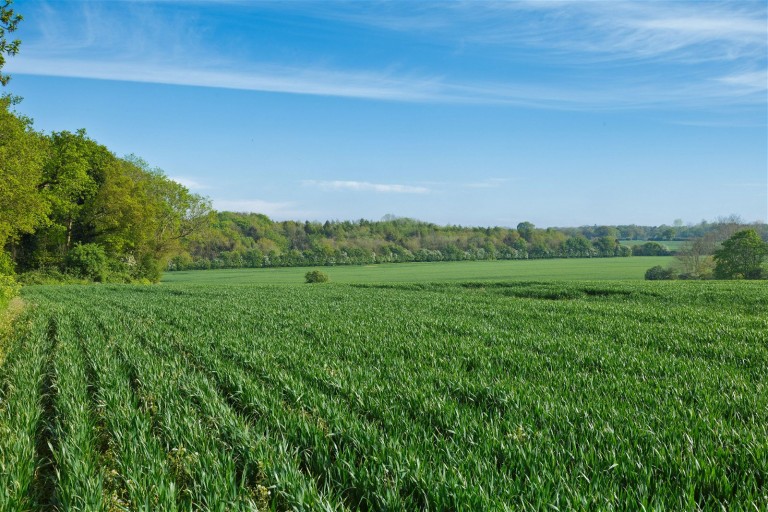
(741, 256)
(577, 247)
(9, 21)
(172, 214)
(23, 154)
(71, 179)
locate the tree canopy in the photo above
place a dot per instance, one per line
(69, 204)
(22, 157)
(741, 256)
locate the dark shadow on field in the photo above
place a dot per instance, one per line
(527, 290)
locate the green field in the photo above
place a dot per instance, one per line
(595, 269)
(416, 396)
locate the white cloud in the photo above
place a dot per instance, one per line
(363, 186)
(266, 78)
(488, 183)
(629, 30)
(618, 28)
(139, 44)
(279, 210)
(379, 87)
(189, 183)
(712, 27)
(757, 80)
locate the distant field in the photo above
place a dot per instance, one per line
(596, 269)
(498, 396)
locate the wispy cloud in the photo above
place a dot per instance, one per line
(741, 89)
(265, 78)
(751, 80)
(488, 183)
(189, 183)
(279, 210)
(621, 29)
(364, 186)
(139, 43)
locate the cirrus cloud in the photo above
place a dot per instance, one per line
(364, 186)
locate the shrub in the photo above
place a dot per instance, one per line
(88, 261)
(650, 249)
(315, 276)
(150, 268)
(48, 276)
(659, 273)
(6, 264)
(8, 290)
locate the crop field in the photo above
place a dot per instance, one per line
(593, 269)
(422, 396)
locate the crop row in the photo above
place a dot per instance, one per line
(405, 397)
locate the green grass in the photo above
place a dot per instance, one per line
(482, 395)
(526, 270)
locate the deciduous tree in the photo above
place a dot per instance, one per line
(741, 256)
(22, 155)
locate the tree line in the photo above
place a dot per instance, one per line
(251, 240)
(236, 240)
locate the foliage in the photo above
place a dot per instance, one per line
(9, 288)
(741, 256)
(65, 189)
(238, 240)
(89, 261)
(650, 249)
(696, 255)
(9, 22)
(440, 396)
(6, 264)
(22, 156)
(659, 273)
(250, 240)
(315, 276)
(49, 276)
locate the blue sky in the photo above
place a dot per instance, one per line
(467, 112)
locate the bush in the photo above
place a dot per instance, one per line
(315, 276)
(49, 276)
(650, 249)
(88, 261)
(6, 264)
(8, 290)
(150, 268)
(659, 273)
